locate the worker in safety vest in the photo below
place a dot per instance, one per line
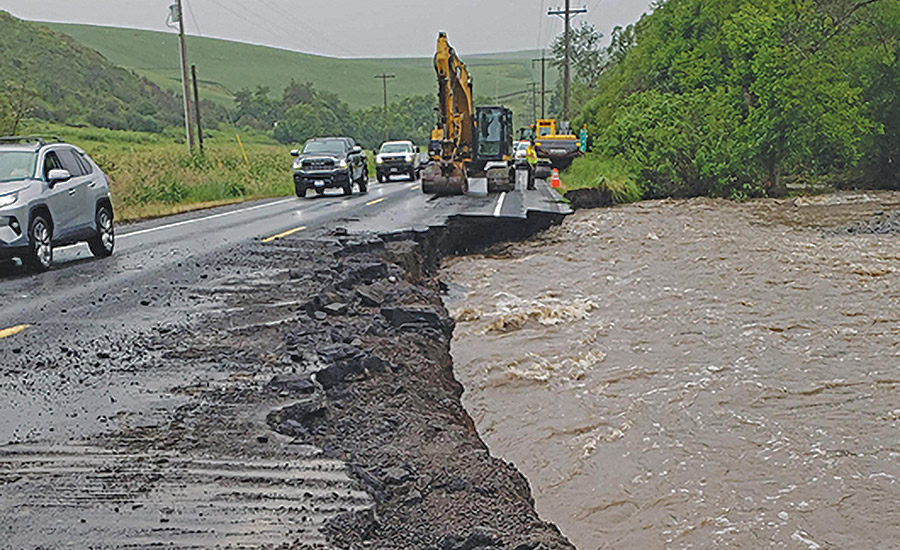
(532, 158)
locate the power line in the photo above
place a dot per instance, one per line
(295, 20)
(194, 16)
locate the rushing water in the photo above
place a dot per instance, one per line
(692, 375)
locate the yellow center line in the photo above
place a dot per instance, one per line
(6, 333)
(285, 234)
(376, 201)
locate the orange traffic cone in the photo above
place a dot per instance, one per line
(554, 181)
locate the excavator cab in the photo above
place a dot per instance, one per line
(493, 134)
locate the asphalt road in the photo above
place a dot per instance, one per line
(80, 357)
(48, 320)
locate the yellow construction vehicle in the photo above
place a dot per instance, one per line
(468, 143)
(560, 149)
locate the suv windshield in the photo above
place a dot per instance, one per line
(325, 147)
(389, 148)
(16, 165)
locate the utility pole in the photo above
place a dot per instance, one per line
(177, 16)
(534, 93)
(197, 108)
(543, 60)
(384, 79)
(567, 73)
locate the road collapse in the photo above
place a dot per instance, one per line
(375, 387)
(312, 404)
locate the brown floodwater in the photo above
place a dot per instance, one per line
(694, 374)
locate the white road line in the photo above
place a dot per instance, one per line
(499, 205)
(197, 220)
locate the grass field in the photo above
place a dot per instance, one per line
(152, 175)
(224, 67)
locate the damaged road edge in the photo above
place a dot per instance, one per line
(374, 387)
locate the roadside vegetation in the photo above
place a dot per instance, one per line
(152, 175)
(735, 99)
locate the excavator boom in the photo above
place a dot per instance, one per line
(456, 129)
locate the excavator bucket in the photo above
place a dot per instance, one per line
(444, 178)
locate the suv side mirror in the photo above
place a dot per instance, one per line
(356, 150)
(295, 153)
(58, 175)
(418, 149)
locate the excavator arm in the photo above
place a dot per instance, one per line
(446, 175)
(456, 102)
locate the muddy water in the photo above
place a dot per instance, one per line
(694, 375)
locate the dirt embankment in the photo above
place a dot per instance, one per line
(375, 387)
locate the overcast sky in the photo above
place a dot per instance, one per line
(346, 28)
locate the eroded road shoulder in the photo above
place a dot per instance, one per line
(308, 402)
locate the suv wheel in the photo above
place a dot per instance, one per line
(40, 247)
(348, 188)
(103, 244)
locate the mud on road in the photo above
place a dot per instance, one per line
(307, 402)
(696, 374)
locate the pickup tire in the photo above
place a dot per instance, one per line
(300, 188)
(348, 189)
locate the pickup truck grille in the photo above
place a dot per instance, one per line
(318, 164)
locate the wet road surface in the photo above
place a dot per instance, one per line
(114, 433)
(694, 374)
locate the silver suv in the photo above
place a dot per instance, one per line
(51, 194)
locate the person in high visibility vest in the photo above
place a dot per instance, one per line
(532, 158)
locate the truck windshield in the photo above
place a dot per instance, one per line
(16, 165)
(325, 148)
(389, 148)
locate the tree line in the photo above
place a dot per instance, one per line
(739, 99)
(302, 112)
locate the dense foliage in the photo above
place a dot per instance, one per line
(302, 112)
(735, 99)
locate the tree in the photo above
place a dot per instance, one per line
(586, 53)
(17, 103)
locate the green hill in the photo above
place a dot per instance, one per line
(68, 82)
(225, 67)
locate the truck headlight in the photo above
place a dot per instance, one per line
(298, 164)
(379, 160)
(343, 163)
(409, 158)
(7, 200)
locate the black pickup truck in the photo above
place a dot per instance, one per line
(330, 163)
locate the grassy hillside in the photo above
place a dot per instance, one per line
(67, 81)
(225, 67)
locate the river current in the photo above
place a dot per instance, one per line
(694, 374)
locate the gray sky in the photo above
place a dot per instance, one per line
(346, 28)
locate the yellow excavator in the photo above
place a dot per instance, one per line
(467, 143)
(556, 148)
